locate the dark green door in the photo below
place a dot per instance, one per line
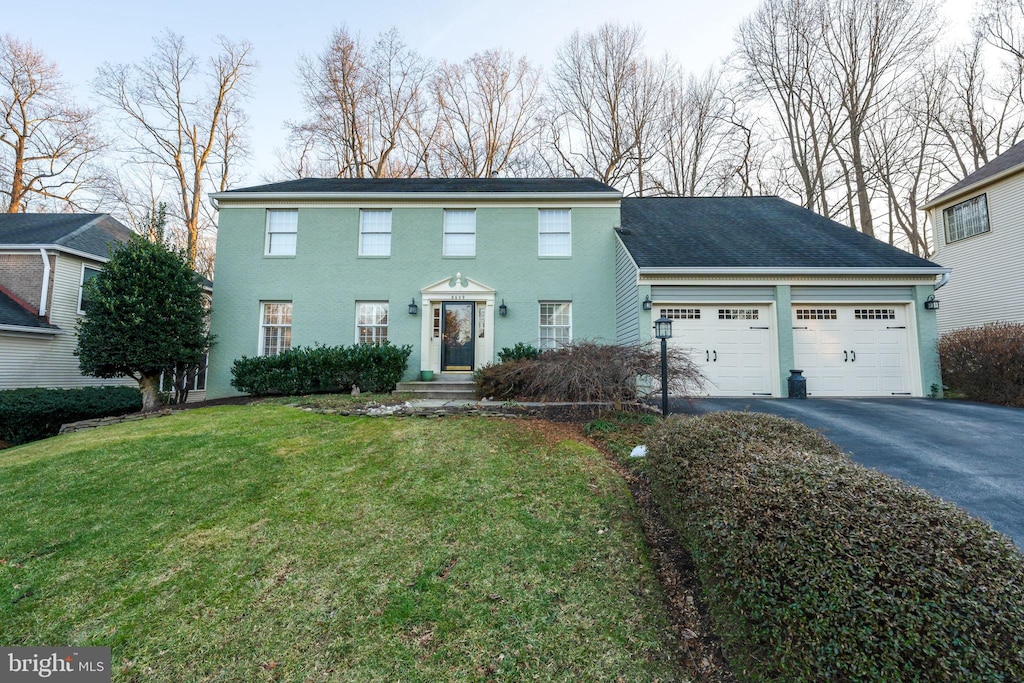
(457, 336)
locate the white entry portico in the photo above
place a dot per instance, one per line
(457, 289)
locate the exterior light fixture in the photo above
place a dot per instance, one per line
(647, 303)
(663, 331)
(413, 308)
(931, 303)
(503, 309)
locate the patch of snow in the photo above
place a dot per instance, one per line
(639, 452)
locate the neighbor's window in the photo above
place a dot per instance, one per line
(554, 232)
(371, 322)
(282, 232)
(966, 219)
(375, 232)
(555, 324)
(459, 232)
(276, 327)
(87, 274)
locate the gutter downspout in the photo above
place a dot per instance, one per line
(942, 281)
(45, 293)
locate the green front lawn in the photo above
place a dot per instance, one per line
(267, 543)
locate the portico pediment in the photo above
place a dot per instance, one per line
(459, 284)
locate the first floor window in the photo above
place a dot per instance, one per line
(966, 219)
(87, 274)
(375, 232)
(282, 231)
(276, 327)
(555, 324)
(371, 322)
(554, 232)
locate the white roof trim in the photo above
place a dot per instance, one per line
(970, 189)
(795, 271)
(34, 248)
(48, 331)
(233, 196)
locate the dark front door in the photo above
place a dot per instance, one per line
(457, 336)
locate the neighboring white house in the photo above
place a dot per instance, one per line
(978, 227)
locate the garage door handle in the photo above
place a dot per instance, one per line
(846, 357)
(716, 355)
(853, 356)
(707, 356)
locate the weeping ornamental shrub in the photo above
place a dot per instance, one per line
(818, 569)
(310, 370)
(985, 363)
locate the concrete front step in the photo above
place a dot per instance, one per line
(450, 390)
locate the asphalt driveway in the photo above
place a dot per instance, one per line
(967, 453)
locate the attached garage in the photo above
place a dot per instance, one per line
(757, 286)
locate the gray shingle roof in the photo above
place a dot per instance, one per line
(1009, 159)
(14, 314)
(91, 233)
(431, 185)
(747, 232)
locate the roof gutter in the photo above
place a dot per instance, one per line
(45, 293)
(935, 270)
(973, 187)
(54, 247)
(31, 330)
(942, 280)
(216, 198)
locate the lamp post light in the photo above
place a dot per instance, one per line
(663, 331)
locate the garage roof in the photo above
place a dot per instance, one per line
(748, 233)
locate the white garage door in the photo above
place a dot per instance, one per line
(849, 350)
(730, 343)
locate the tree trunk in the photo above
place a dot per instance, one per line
(149, 386)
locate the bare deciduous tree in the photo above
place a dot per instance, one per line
(184, 123)
(487, 114)
(48, 142)
(367, 106)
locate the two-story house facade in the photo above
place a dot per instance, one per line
(461, 268)
(978, 232)
(44, 260)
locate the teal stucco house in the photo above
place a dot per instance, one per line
(460, 268)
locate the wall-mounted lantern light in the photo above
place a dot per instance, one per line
(413, 308)
(931, 303)
(502, 309)
(647, 303)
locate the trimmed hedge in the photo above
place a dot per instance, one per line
(985, 363)
(818, 569)
(31, 414)
(311, 370)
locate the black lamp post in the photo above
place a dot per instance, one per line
(663, 331)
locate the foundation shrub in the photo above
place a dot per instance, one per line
(817, 569)
(985, 363)
(31, 414)
(586, 371)
(320, 369)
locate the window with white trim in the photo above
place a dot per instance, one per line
(282, 232)
(816, 314)
(874, 314)
(371, 322)
(459, 232)
(375, 232)
(681, 313)
(738, 314)
(966, 219)
(554, 232)
(275, 327)
(555, 324)
(87, 274)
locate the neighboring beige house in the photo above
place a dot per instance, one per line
(978, 228)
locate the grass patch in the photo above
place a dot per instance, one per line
(264, 543)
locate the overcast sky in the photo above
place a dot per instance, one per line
(80, 36)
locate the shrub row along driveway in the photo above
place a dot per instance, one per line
(969, 453)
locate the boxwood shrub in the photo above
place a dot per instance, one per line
(818, 569)
(30, 414)
(310, 370)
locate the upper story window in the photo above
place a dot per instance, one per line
(459, 232)
(375, 232)
(88, 273)
(371, 322)
(554, 232)
(966, 219)
(282, 231)
(275, 327)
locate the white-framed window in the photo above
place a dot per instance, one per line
(282, 232)
(375, 232)
(459, 232)
(88, 273)
(371, 322)
(196, 380)
(555, 324)
(554, 236)
(275, 327)
(966, 219)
